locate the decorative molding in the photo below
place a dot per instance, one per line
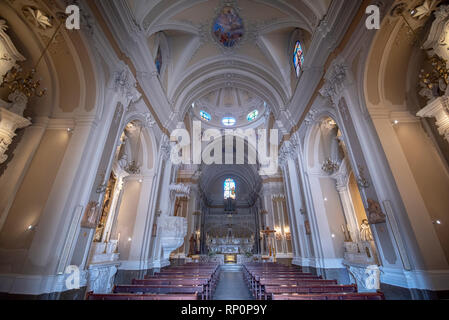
(179, 190)
(438, 109)
(125, 83)
(9, 54)
(335, 83)
(9, 123)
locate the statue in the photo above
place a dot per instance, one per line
(91, 215)
(192, 249)
(365, 231)
(375, 214)
(123, 162)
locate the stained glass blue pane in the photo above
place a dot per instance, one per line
(228, 27)
(253, 115)
(298, 58)
(205, 116)
(229, 189)
(228, 121)
(158, 60)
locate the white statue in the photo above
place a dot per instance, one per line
(365, 231)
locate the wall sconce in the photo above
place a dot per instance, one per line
(31, 227)
(438, 222)
(130, 239)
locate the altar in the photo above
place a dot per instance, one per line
(230, 258)
(230, 246)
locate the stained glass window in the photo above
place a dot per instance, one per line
(158, 60)
(253, 115)
(205, 116)
(298, 58)
(228, 121)
(229, 189)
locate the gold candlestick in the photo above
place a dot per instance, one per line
(118, 241)
(106, 243)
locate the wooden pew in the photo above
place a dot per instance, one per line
(206, 290)
(259, 294)
(161, 289)
(331, 296)
(258, 282)
(269, 291)
(125, 296)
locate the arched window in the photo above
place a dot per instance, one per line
(205, 116)
(253, 115)
(298, 58)
(229, 189)
(158, 60)
(228, 121)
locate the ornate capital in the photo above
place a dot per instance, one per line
(438, 109)
(125, 83)
(9, 123)
(335, 82)
(179, 190)
(165, 150)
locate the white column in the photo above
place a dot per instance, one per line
(135, 253)
(424, 230)
(49, 235)
(11, 180)
(348, 208)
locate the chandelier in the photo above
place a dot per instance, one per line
(133, 167)
(329, 166)
(18, 80)
(436, 80)
(22, 81)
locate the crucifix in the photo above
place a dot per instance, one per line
(269, 235)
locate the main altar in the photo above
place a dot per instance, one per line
(230, 245)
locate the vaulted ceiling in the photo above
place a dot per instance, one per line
(195, 63)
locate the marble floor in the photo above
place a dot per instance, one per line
(231, 285)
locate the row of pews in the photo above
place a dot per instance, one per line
(272, 281)
(191, 281)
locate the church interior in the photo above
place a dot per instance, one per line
(224, 150)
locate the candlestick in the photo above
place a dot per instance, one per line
(118, 241)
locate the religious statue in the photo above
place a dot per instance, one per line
(365, 231)
(375, 214)
(192, 249)
(91, 215)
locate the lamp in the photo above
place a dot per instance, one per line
(22, 81)
(133, 167)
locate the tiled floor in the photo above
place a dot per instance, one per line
(231, 285)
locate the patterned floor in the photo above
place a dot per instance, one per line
(231, 285)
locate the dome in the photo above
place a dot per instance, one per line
(229, 103)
